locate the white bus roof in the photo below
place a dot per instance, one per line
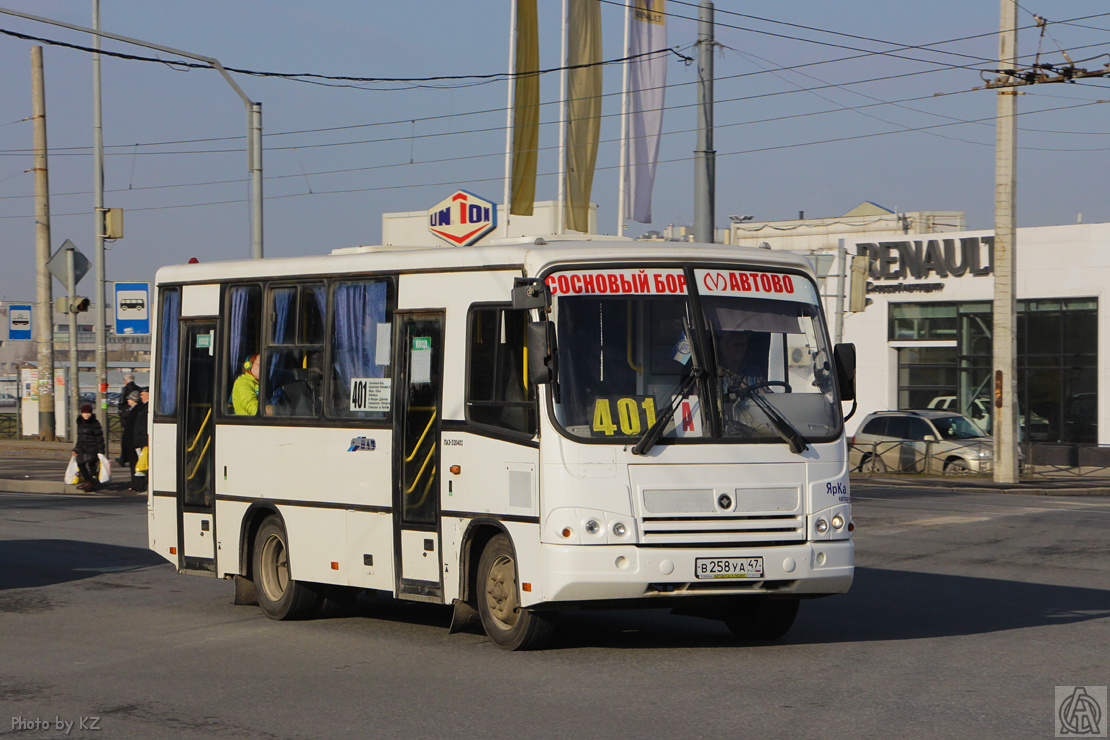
(533, 255)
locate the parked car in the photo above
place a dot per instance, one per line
(1038, 428)
(926, 441)
(7, 399)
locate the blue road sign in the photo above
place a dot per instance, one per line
(19, 321)
(132, 308)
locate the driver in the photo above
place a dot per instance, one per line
(735, 368)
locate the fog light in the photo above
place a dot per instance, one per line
(837, 521)
(822, 526)
(592, 527)
(619, 529)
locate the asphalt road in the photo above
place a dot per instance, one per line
(967, 611)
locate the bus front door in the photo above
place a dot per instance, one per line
(416, 455)
(196, 426)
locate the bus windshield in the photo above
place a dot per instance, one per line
(630, 340)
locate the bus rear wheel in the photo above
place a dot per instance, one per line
(279, 596)
(760, 618)
(505, 621)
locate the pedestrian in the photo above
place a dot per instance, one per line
(123, 407)
(128, 455)
(88, 449)
(139, 439)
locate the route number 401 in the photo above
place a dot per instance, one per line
(634, 414)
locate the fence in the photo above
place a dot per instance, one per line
(1041, 460)
(9, 427)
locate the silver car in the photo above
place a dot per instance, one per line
(926, 441)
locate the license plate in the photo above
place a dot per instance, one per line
(728, 567)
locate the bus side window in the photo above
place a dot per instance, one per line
(293, 381)
(361, 348)
(497, 392)
(168, 316)
(244, 333)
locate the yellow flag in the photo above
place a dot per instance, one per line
(526, 110)
(583, 108)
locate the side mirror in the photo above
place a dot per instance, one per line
(844, 357)
(529, 293)
(929, 438)
(541, 351)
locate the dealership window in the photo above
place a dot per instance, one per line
(1056, 363)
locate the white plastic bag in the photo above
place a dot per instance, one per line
(105, 469)
(73, 475)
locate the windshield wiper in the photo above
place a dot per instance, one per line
(784, 428)
(651, 436)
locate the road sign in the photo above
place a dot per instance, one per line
(132, 308)
(19, 321)
(57, 264)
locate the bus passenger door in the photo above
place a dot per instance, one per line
(416, 455)
(196, 426)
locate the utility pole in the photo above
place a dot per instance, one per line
(1004, 310)
(705, 174)
(99, 292)
(45, 319)
(74, 380)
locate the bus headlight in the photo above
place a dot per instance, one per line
(822, 526)
(619, 529)
(837, 522)
(592, 527)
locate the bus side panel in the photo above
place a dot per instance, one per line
(496, 480)
(229, 529)
(529, 561)
(370, 550)
(163, 458)
(162, 527)
(316, 481)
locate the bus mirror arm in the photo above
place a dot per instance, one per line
(530, 293)
(844, 358)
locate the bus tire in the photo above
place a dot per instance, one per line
(760, 618)
(279, 596)
(507, 624)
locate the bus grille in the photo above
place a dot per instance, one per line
(723, 530)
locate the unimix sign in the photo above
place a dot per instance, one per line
(462, 218)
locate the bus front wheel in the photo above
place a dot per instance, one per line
(760, 618)
(506, 622)
(279, 596)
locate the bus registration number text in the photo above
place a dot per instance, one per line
(728, 567)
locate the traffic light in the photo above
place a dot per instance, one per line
(76, 304)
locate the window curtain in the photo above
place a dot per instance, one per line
(240, 301)
(282, 330)
(167, 376)
(359, 309)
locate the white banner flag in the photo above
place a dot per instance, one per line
(647, 79)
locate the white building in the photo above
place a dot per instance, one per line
(924, 340)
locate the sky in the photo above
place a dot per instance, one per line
(819, 107)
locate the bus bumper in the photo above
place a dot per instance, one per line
(603, 572)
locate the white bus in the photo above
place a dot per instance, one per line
(514, 430)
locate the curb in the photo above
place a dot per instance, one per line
(25, 485)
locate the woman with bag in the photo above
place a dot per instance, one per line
(89, 448)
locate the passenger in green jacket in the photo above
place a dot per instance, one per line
(244, 394)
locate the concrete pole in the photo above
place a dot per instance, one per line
(44, 324)
(254, 129)
(99, 297)
(705, 174)
(1005, 314)
(74, 379)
